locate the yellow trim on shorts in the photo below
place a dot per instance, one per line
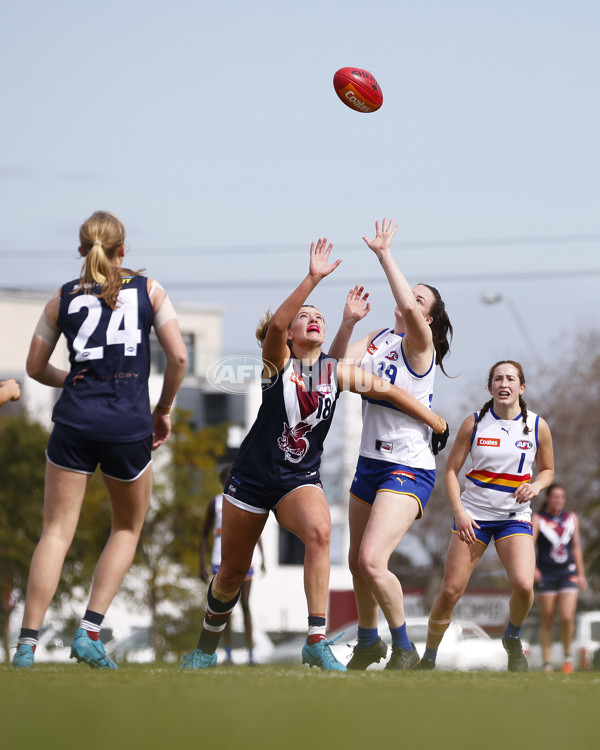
(394, 492)
(511, 535)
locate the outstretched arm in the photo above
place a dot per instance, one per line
(355, 309)
(360, 381)
(275, 349)
(418, 332)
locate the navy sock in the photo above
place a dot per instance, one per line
(400, 638)
(430, 654)
(316, 629)
(91, 622)
(512, 632)
(367, 637)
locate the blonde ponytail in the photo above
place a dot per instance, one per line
(102, 238)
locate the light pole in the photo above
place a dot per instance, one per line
(493, 298)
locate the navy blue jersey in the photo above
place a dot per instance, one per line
(555, 542)
(286, 439)
(105, 394)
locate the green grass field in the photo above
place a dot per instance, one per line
(150, 707)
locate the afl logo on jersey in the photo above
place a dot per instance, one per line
(524, 445)
(393, 356)
(324, 388)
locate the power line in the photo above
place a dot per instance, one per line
(582, 239)
(488, 277)
(370, 282)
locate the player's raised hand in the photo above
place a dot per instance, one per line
(383, 238)
(357, 306)
(319, 259)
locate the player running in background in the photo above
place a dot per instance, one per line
(102, 417)
(559, 572)
(277, 466)
(503, 440)
(214, 522)
(396, 467)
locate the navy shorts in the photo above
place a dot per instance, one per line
(500, 530)
(552, 582)
(257, 497)
(73, 450)
(373, 475)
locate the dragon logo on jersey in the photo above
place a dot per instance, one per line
(293, 443)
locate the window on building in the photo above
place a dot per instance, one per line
(158, 360)
(216, 408)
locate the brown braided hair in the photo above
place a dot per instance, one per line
(441, 327)
(522, 403)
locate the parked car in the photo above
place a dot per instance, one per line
(586, 642)
(137, 648)
(466, 646)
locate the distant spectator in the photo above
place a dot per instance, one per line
(559, 573)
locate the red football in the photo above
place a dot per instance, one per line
(358, 89)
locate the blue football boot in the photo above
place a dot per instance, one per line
(198, 660)
(23, 659)
(84, 649)
(319, 655)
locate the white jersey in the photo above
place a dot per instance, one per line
(389, 434)
(215, 559)
(502, 457)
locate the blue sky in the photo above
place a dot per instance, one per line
(213, 130)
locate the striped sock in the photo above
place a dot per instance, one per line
(91, 623)
(215, 619)
(316, 629)
(29, 637)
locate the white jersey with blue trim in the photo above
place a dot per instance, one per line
(502, 456)
(389, 434)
